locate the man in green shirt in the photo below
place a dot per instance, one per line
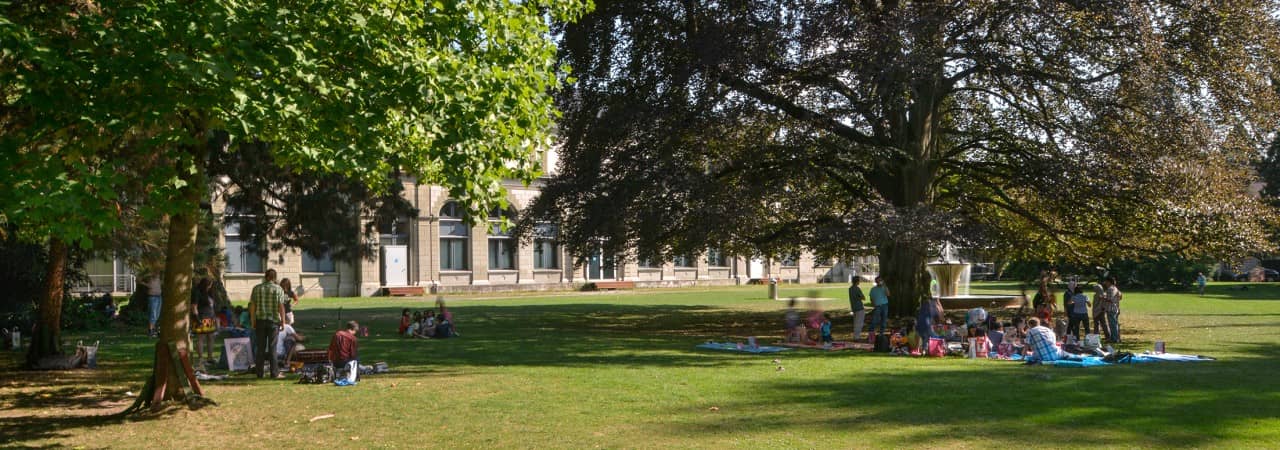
(266, 311)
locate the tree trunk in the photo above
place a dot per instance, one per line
(46, 340)
(902, 268)
(172, 375)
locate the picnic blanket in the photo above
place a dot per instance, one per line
(1096, 361)
(734, 347)
(837, 345)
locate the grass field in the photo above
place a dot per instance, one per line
(621, 371)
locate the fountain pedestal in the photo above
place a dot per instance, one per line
(952, 279)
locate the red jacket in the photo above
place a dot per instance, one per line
(343, 347)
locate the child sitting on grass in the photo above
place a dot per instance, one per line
(404, 321)
(826, 329)
(412, 329)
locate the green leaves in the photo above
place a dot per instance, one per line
(456, 93)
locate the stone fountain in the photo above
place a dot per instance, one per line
(951, 278)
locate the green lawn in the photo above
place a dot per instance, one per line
(620, 370)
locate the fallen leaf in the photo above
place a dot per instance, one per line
(355, 438)
(321, 417)
(714, 408)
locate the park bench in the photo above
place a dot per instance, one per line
(612, 285)
(405, 291)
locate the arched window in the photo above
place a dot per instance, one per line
(546, 246)
(454, 235)
(502, 248)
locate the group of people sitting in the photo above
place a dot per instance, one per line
(427, 324)
(815, 328)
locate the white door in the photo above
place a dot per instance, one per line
(395, 265)
(755, 268)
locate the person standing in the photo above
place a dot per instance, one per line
(1078, 314)
(291, 298)
(880, 306)
(856, 308)
(154, 297)
(344, 351)
(1100, 310)
(1201, 281)
(1113, 297)
(205, 324)
(931, 312)
(266, 311)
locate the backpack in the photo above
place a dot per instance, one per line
(316, 373)
(882, 343)
(1119, 357)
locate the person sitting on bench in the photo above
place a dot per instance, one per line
(343, 351)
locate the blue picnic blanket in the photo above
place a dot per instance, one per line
(733, 347)
(1095, 361)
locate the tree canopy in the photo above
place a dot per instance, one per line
(1082, 131)
(453, 92)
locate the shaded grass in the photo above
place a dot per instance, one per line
(620, 370)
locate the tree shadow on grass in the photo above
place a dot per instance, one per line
(1004, 404)
(565, 335)
(1243, 291)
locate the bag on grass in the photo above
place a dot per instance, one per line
(937, 347)
(1092, 341)
(882, 343)
(316, 373)
(1005, 349)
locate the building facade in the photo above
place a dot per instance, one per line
(439, 253)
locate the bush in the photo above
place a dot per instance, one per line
(85, 312)
(1161, 273)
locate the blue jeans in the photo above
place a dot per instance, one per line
(153, 310)
(880, 318)
(1113, 322)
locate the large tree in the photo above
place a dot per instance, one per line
(455, 93)
(1063, 130)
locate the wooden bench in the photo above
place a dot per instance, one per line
(310, 356)
(611, 285)
(405, 291)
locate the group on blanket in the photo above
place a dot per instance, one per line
(428, 325)
(815, 328)
(1030, 338)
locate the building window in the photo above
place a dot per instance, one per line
(645, 263)
(502, 249)
(546, 246)
(454, 236)
(683, 261)
(790, 259)
(600, 266)
(323, 263)
(715, 258)
(242, 255)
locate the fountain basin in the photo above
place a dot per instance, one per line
(955, 302)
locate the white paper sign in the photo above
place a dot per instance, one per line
(239, 353)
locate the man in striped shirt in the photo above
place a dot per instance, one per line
(266, 311)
